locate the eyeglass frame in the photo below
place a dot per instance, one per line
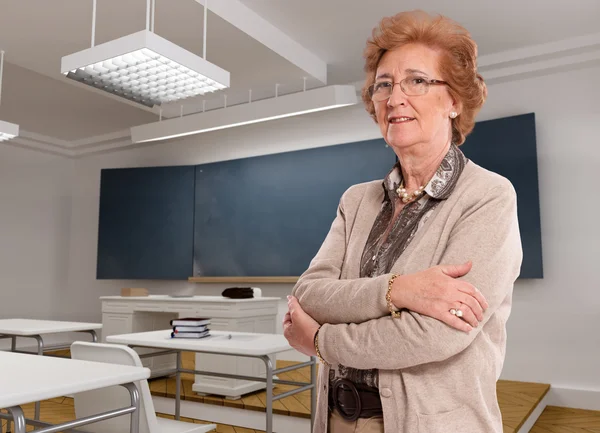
(430, 82)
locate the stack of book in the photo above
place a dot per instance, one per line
(190, 327)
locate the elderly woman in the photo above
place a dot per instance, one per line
(406, 302)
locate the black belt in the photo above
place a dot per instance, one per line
(353, 400)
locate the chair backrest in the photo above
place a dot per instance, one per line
(114, 397)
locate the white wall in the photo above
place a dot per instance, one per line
(552, 331)
(35, 215)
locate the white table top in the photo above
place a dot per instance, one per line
(29, 378)
(26, 327)
(168, 298)
(241, 343)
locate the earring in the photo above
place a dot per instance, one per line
(453, 114)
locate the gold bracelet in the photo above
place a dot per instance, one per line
(316, 341)
(388, 297)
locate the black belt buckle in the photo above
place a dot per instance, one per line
(345, 383)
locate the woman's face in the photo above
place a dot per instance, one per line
(406, 121)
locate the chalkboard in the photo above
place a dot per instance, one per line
(268, 215)
(146, 223)
(507, 146)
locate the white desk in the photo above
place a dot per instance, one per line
(31, 328)
(232, 344)
(124, 315)
(26, 379)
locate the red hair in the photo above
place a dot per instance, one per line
(458, 64)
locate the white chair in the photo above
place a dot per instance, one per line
(98, 401)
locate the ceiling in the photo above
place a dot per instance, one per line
(36, 34)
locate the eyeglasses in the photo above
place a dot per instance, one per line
(411, 86)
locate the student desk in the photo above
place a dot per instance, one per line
(237, 344)
(26, 379)
(36, 329)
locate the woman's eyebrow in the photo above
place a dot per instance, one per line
(415, 71)
(407, 71)
(384, 75)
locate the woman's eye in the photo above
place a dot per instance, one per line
(382, 85)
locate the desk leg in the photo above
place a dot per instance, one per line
(178, 386)
(40, 352)
(94, 335)
(18, 418)
(134, 426)
(269, 371)
(313, 392)
(13, 348)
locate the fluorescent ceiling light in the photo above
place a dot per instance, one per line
(145, 68)
(8, 130)
(323, 98)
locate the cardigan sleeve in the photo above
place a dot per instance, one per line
(329, 299)
(487, 233)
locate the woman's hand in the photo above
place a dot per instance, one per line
(435, 291)
(299, 328)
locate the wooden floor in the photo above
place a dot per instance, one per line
(517, 401)
(561, 419)
(552, 420)
(60, 410)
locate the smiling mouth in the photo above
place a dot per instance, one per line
(396, 120)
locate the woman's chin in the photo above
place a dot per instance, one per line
(397, 141)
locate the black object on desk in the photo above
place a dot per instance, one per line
(238, 292)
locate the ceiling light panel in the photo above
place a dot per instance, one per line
(294, 104)
(145, 68)
(8, 131)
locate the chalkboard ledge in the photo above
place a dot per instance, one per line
(243, 280)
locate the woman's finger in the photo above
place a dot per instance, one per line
(473, 305)
(471, 290)
(287, 318)
(456, 322)
(464, 312)
(293, 305)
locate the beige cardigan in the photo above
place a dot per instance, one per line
(432, 378)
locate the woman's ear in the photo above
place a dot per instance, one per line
(456, 104)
